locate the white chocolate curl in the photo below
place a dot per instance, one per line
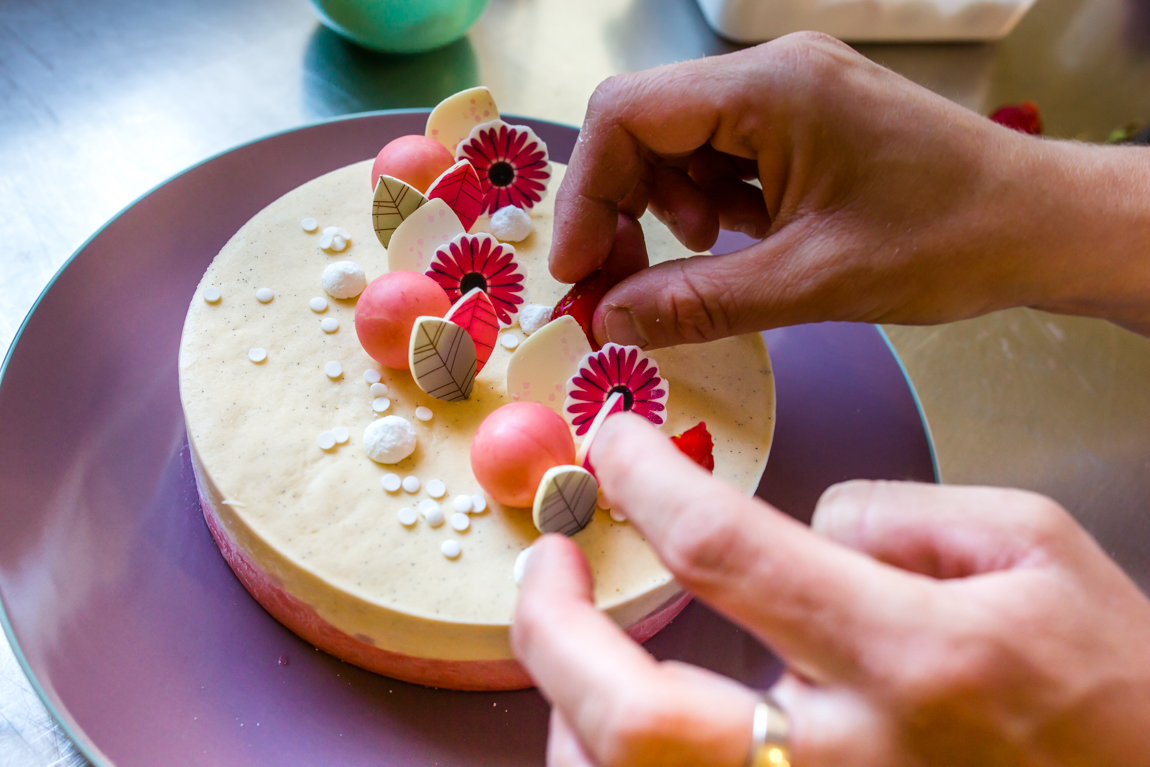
(511, 224)
(389, 440)
(344, 279)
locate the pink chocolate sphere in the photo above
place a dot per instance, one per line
(515, 446)
(415, 160)
(386, 311)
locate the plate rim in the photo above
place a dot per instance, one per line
(76, 735)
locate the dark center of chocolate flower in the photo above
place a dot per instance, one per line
(501, 174)
(470, 281)
(628, 397)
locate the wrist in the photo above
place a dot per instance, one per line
(1086, 225)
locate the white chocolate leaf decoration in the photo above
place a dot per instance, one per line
(453, 118)
(442, 359)
(393, 203)
(545, 361)
(459, 187)
(613, 405)
(414, 242)
(565, 500)
(476, 314)
(615, 368)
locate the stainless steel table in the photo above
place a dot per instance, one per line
(99, 102)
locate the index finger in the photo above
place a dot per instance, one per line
(670, 111)
(815, 602)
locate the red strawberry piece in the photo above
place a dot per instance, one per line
(696, 444)
(581, 300)
(1023, 117)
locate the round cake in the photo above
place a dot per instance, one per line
(278, 392)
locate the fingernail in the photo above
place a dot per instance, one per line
(622, 329)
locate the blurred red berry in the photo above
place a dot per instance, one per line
(696, 444)
(581, 300)
(1023, 117)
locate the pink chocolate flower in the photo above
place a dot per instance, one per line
(511, 162)
(615, 368)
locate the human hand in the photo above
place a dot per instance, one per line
(920, 625)
(880, 202)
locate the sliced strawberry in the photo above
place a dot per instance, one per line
(581, 300)
(1023, 117)
(696, 444)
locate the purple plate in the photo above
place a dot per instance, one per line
(129, 623)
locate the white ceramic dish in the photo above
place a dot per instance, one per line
(752, 21)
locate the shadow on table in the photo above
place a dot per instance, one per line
(341, 77)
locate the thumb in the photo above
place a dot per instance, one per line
(945, 532)
(703, 298)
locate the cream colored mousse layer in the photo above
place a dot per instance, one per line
(320, 523)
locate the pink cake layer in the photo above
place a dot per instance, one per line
(302, 619)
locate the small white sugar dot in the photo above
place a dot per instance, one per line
(460, 522)
(423, 413)
(318, 304)
(407, 516)
(211, 294)
(338, 243)
(478, 504)
(509, 340)
(264, 295)
(451, 549)
(325, 240)
(332, 230)
(618, 516)
(326, 441)
(341, 434)
(343, 233)
(436, 488)
(380, 404)
(520, 566)
(411, 483)
(391, 482)
(309, 224)
(333, 369)
(329, 324)
(427, 505)
(257, 354)
(371, 376)
(462, 503)
(378, 390)
(434, 516)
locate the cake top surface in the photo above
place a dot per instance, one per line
(256, 426)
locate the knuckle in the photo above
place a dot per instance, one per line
(700, 545)
(697, 307)
(637, 724)
(1049, 526)
(608, 94)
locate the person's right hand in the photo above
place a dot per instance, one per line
(880, 202)
(920, 625)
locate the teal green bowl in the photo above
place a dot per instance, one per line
(399, 26)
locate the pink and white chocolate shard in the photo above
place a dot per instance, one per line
(615, 369)
(480, 261)
(511, 162)
(543, 363)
